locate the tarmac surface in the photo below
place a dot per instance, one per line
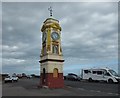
(29, 87)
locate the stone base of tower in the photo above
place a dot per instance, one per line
(52, 82)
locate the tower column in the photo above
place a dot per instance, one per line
(51, 58)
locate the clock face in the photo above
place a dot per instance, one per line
(44, 37)
(55, 36)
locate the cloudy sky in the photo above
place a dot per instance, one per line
(89, 35)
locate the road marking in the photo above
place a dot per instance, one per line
(113, 93)
(117, 94)
(95, 91)
(98, 91)
(89, 90)
(110, 93)
(69, 86)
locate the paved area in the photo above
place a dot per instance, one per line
(29, 87)
(94, 86)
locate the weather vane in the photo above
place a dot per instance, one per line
(50, 9)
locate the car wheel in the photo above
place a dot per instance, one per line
(110, 81)
(79, 80)
(90, 79)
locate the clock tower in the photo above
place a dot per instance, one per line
(51, 57)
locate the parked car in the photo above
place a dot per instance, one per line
(64, 77)
(29, 76)
(19, 76)
(14, 75)
(73, 77)
(7, 79)
(14, 78)
(4, 75)
(24, 75)
(100, 74)
(10, 79)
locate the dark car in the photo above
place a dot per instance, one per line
(72, 77)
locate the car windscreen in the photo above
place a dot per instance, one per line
(113, 72)
(72, 74)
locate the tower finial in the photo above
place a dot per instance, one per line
(50, 9)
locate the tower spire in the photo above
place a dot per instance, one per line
(50, 9)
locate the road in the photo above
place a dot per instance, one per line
(29, 87)
(94, 87)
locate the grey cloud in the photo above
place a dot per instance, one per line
(89, 31)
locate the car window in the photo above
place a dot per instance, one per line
(87, 71)
(71, 74)
(8, 77)
(107, 74)
(99, 72)
(94, 72)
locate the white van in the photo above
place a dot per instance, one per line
(103, 74)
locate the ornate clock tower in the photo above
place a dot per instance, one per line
(51, 58)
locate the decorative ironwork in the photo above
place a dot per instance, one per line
(50, 9)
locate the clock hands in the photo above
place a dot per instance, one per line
(55, 36)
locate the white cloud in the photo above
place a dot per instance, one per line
(9, 48)
(12, 62)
